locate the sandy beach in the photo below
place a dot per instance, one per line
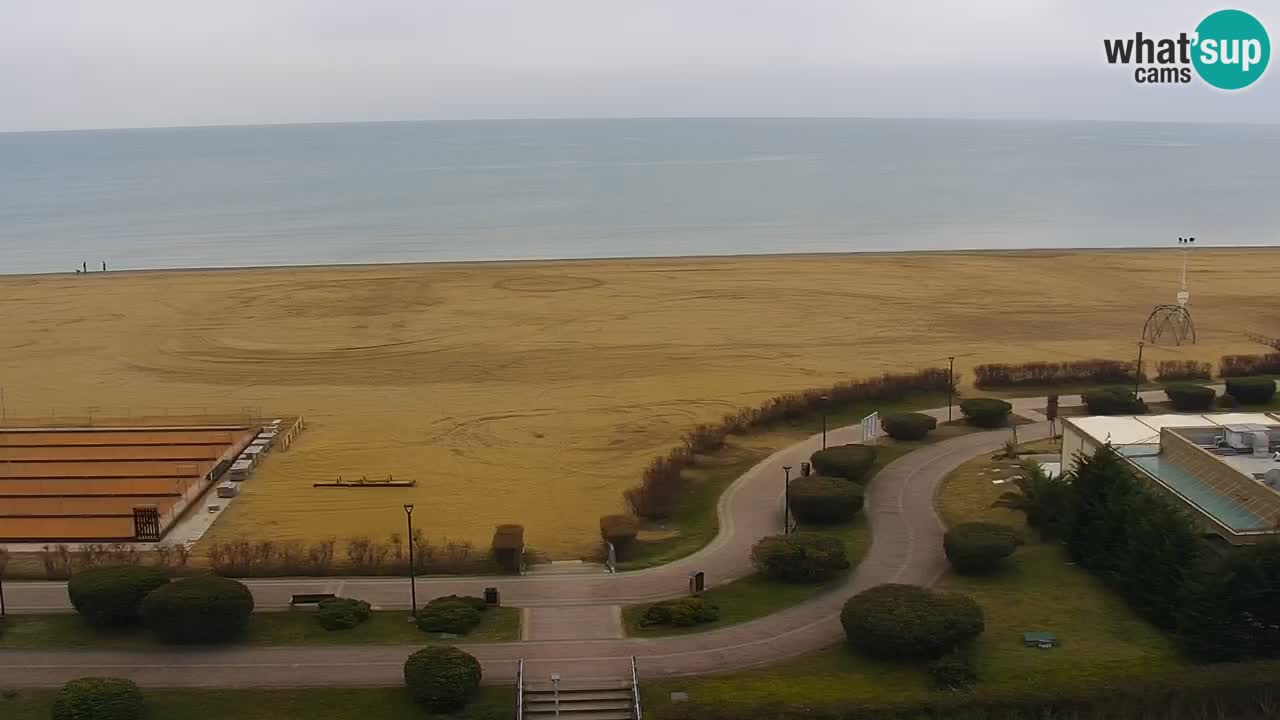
(535, 392)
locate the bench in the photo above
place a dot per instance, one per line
(310, 598)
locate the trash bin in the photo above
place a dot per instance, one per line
(804, 469)
(491, 597)
(697, 582)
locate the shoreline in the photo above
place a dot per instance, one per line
(528, 262)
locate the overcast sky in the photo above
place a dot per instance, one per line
(136, 63)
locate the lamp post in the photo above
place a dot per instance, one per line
(951, 383)
(825, 400)
(1137, 373)
(413, 582)
(786, 501)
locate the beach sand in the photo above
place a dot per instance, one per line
(534, 393)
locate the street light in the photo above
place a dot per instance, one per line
(951, 383)
(1137, 374)
(413, 582)
(825, 399)
(786, 501)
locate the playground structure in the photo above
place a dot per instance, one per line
(116, 483)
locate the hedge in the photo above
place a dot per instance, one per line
(975, 548)
(448, 617)
(469, 600)
(908, 426)
(201, 609)
(1041, 373)
(851, 462)
(953, 671)
(1251, 390)
(508, 547)
(442, 679)
(901, 622)
(986, 412)
(621, 531)
(1169, 370)
(680, 612)
(98, 698)
(1244, 365)
(1113, 401)
(1189, 398)
(824, 500)
(799, 557)
(111, 596)
(342, 613)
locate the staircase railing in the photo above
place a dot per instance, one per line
(520, 689)
(635, 688)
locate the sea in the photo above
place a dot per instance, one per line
(544, 189)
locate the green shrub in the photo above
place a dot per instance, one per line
(470, 600)
(799, 557)
(953, 671)
(448, 617)
(986, 412)
(111, 596)
(850, 462)
(975, 548)
(908, 426)
(1190, 398)
(621, 530)
(1251, 390)
(201, 609)
(441, 679)
(1113, 401)
(823, 500)
(342, 613)
(906, 621)
(96, 698)
(680, 612)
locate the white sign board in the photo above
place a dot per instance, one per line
(871, 428)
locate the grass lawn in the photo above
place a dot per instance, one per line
(294, 627)
(753, 597)
(1102, 641)
(693, 523)
(492, 703)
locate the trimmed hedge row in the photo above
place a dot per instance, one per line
(799, 557)
(1190, 398)
(680, 612)
(902, 622)
(908, 426)
(986, 412)
(850, 462)
(98, 698)
(1099, 371)
(202, 609)
(1169, 370)
(1251, 390)
(1243, 365)
(976, 548)
(342, 613)
(112, 596)
(1113, 401)
(821, 500)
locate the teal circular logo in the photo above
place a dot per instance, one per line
(1232, 49)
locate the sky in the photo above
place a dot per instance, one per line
(71, 64)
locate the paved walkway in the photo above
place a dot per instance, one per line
(570, 620)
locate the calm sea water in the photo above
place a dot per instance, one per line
(392, 192)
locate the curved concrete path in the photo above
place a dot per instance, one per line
(906, 547)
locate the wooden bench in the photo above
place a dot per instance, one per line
(310, 598)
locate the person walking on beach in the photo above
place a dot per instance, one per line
(84, 266)
(104, 266)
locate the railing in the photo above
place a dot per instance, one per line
(520, 689)
(635, 687)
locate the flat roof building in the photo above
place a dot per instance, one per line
(1224, 467)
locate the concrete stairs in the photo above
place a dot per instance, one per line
(579, 701)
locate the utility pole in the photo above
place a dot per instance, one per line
(1137, 373)
(951, 383)
(786, 501)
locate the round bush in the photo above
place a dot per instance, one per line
(1113, 401)
(342, 613)
(974, 548)
(906, 621)
(111, 596)
(799, 557)
(448, 617)
(470, 600)
(908, 426)
(823, 500)
(441, 679)
(680, 612)
(621, 530)
(93, 698)
(1251, 390)
(953, 671)
(986, 412)
(1188, 397)
(201, 609)
(850, 462)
